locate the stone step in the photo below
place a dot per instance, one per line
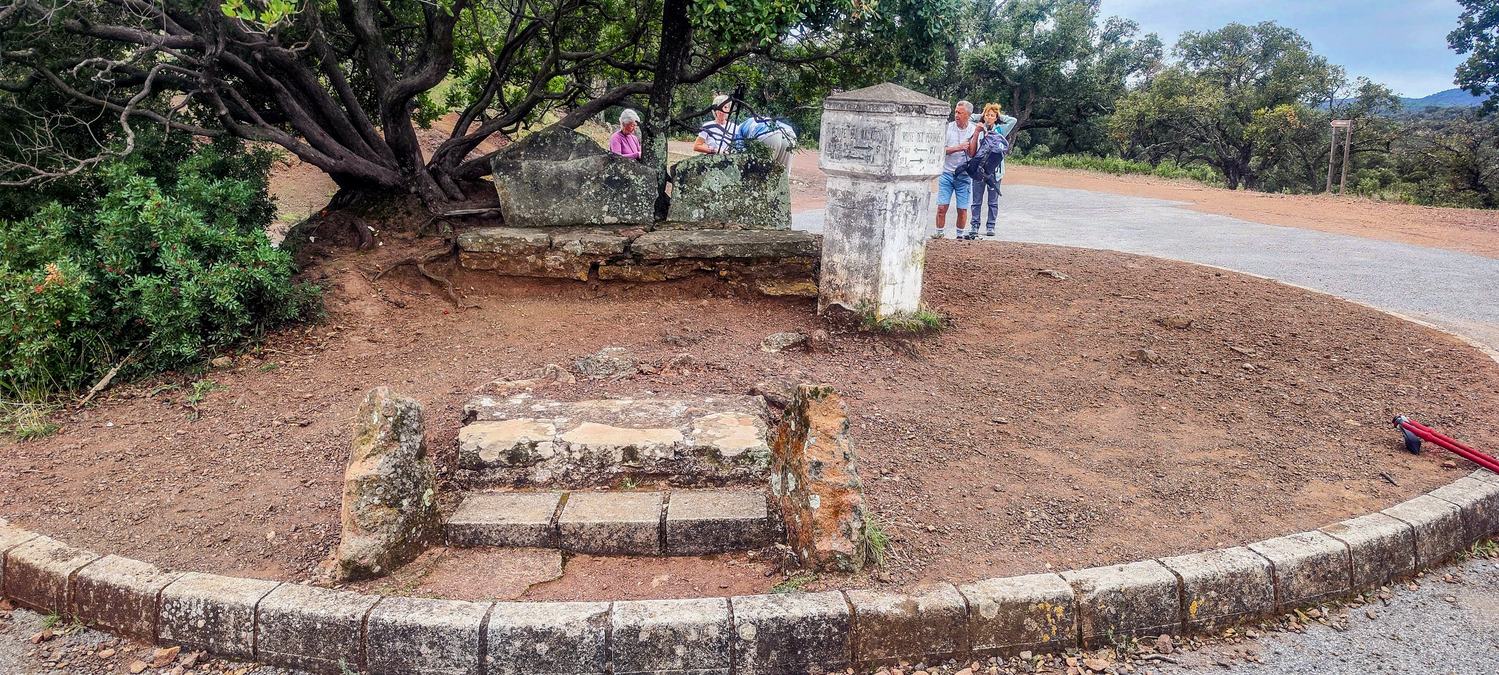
(680, 522)
(523, 440)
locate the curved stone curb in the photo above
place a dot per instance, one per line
(322, 630)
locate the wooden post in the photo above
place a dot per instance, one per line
(1332, 151)
(1347, 143)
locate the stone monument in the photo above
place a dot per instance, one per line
(881, 147)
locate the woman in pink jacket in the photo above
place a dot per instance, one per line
(626, 141)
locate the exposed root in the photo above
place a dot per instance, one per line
(420, 263)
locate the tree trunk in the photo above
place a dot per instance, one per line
(674, 53)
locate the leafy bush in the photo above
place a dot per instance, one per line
(160, 257)
(1120, 167)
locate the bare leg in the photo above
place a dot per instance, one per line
(942, 216)
(962, 220)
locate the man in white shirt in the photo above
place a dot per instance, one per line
(716, 136)
(956, 185)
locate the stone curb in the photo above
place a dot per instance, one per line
(324, 630)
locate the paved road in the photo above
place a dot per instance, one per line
(1457, 291)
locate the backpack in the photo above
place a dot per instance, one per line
(992, 151)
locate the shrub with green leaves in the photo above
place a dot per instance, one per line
(163, 264)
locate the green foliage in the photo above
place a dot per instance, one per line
(794, 583)
(920, 321)
(876, 542)
(1120, 167)
(163, 259)
(1477, 35)
(26, 419)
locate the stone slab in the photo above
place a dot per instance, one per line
(558, 177)
(1009, 615)
(591, 242)
(506, 240)
(1309, 567)
(671, 636)
(547, 264)
(38, 573)
(10, 537)
(1479, 501)
(716, 521)
(1485, 475)
(1438, 526)
(1382, 548)
(717, 244)
(1223, 587)
(120, 595)
(212, 613)
(611, 523)
(420, 635)
(791, 633)
(312, 628)
(744, 189)
(536, 638)
(928, 623)
(514, 519)
(1137, 598)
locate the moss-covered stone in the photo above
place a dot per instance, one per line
(559, 177)
(746, 189)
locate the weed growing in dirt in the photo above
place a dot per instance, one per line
(50, 621)
(794, 583)
(344, 669)
(1485, 548)
(628, 483)
(923, 320)
(876, 542)
(201, 389)
(25, 420)
(268, 366)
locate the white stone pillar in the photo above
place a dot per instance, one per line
(881, 148)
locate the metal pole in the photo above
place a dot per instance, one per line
(1347, 143)
(1331, 152)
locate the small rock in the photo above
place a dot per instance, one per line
(1163, 644)
(1370, 613)
(107, 654)
(137, 667)
(1450, 598)
(1145, 356)
(1096, 665)
(1177, 321)
(609, 362)
(779, 342)
(681, 363)
(819, 340)
(1026, 655)
(43, 636)
(161, 657)
(1052, 273)
(1449, 464)
(221, 362)
(1242, 351)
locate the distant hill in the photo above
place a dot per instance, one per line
(1452, 98)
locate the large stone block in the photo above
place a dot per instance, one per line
(1485, 475)
(1479, 501)
(119, 595)
(1121, 600)
(714, 521)
(546, 638)
(1223, 587)
(814, 481)
(745, 189)
(718, 244)
(791, 633)
(311, 628)
(10, 537)
(611, 523)
(1034, 612)
(559, 177)
(212, 613)
(928, 624)
(1382, 548)
(593, 443)
(37, 573)
(515, 519)
(1309, 567)
(1438, 526)
(390, 489)
(418, 635)
(671, 636)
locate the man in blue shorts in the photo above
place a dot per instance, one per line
(958, 146)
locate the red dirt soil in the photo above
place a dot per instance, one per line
(1024, 437)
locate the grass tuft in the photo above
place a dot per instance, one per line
(26, 420)
(794, 583)
(923, 320)
(876, 542)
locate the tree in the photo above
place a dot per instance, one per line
(344, 84)
(1231, 92)
(1477, 35)
(1052, 65)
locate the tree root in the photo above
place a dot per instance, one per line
(420, 262)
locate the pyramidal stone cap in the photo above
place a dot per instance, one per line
(887, 98)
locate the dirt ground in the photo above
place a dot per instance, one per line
(1028, 436)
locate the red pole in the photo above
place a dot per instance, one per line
(1428, 434)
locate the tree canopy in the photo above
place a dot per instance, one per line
(1477, 35)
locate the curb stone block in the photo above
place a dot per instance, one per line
(713, 522)
(420, 635)
(924, 624)
(671, 636)
(1139, 598)
(10, 537)
(791, 633)
(512, 519)
(212, 613)
(1382, 548)
(1309, 567)
(1014, 614)
(1479, 501)
(120, 595)
(536, 638)
(1223, 587)
(1485, 475)
(311, 628)
(38, 573)
(1438, 526)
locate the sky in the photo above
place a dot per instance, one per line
(1402, 44)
